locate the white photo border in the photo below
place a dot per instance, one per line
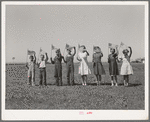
(74, 114)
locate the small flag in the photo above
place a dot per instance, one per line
(68, 46)
(110, 45)
(29, 52)
(123, 46)
(53, 47)
(41, 51)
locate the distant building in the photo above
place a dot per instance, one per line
(138, 60)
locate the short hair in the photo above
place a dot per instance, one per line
(83, 46)
(124, 51)
(112, 49)
(30, 57)
(58, 50)
(97, 47)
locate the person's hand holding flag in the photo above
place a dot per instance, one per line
(30, 52)
(123, 46)
(53, 47)
(110, 45)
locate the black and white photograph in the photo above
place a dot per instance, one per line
(75, 60)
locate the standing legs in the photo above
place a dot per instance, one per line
(126, 80)
(112, 82)
(44, 77)
(82, 79)
(29, 80)
(60, 80)
(33, 78)
(85, 80)
(57, 80)
(29, 77)
(116, 80)
(72, 75)
(98, 77)
(68, 75)
(40, 77)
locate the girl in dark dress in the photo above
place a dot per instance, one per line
(97, 64)
(58, 67)
(70, 65)
(113, 66)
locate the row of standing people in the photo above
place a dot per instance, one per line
(84, 70)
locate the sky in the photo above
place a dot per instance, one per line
(34, 26)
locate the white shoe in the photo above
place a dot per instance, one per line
(124, 83)
(112, 83)
(116, 84)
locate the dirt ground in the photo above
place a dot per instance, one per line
(19, 95)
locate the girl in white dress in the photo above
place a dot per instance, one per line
(126, 68)
(83, 67)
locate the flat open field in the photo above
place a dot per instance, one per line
(21, 96)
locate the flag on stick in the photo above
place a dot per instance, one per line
(41, 51)
(30, 52)
(110, 45)
(123, 46)
(68, 46)
(53, 47)
(78, 46)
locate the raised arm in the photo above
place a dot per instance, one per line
(87, 53)
(64, 59)
(108, 58)
(74, 51)
(38, 62)
(27, 65)
(52, 61)
(117, 52)
(93, 58)
(34, 58)
(78, 58)
(45, 57)
(130, 52)
(101, 54)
